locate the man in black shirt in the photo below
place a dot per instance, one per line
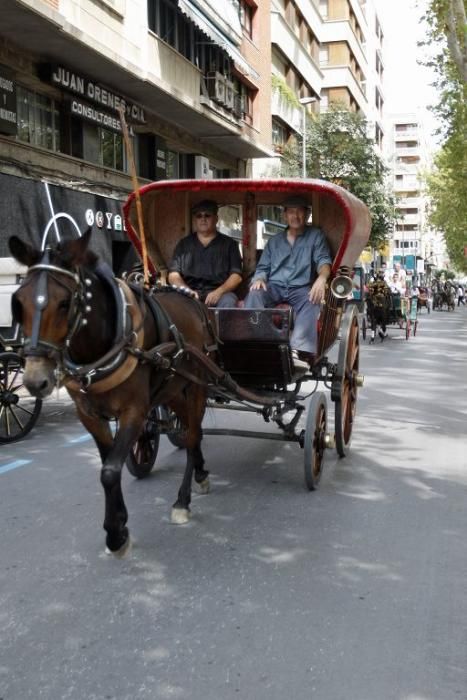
(207, 261)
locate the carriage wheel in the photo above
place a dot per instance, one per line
(177, 436)
(143, 453)
(315, 440)
(19, 411)
(344, 388)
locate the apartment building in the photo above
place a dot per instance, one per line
(323, 52)
(414, 245)
(192, 77)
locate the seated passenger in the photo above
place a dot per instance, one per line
(207, 262)
(294, 268)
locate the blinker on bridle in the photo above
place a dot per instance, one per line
(34, 346)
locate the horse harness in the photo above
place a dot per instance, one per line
(113, 368)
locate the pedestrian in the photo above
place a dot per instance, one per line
(460, 295)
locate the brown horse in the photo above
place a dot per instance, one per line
(119, 353)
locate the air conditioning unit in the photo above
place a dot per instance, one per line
(216, 86)
(229, 95)
(202, 171)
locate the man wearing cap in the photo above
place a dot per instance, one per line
(207, 262)
(294, 268)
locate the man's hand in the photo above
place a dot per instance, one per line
(213, 297)
(259, 284)
(316, 293)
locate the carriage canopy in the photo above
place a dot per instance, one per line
(166, 207)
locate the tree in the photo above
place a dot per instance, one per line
(339, 149)
(447, 183)
(447, 22)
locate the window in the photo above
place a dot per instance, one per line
(38, 120)
(162, 15)
(246, 13)
(324, 8)
(111, 149)
(324, 56)
(279, 135)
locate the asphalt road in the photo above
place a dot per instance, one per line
(357, 591)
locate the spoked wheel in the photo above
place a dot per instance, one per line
(363, 327)
(315, 440)
(344, 387)
(19, 410)
(142, 456)
(177, 436)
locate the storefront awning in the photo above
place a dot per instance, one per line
(210, 29)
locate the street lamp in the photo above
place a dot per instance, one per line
(304, 101)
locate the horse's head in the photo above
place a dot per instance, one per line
(49, 305)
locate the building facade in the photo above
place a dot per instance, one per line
(191, 76)
(414, 244)
(323, 52)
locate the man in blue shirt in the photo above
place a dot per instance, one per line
(294, 268)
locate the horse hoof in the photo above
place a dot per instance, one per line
(123, 551)
(203, 487)
(180, 516)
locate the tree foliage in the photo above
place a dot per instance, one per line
(339, 149)
(447, 183)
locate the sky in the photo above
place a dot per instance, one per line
(406, 84)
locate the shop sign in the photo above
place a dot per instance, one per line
(94, 115)
(91, 91)
(44, 214)
(7, 101)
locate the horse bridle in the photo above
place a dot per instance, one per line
(34, 346)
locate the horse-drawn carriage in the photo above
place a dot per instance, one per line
(386, 308)
(18, 410)
(151, 356)
(444, 295)
(254, 346)
(424, 299)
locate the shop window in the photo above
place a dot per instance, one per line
(112, 149)
(38, 120)
(172, 165)
(101, 146)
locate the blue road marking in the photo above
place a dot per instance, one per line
(81, 438)
(14, 465)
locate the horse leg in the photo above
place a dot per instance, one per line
(113, 452)
(372, 326)
(196, 400)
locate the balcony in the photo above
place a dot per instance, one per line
(290, 46)
(342, 76)
(282, 108)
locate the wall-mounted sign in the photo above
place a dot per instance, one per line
(7, 101)
(91, 91)
(95, 115)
